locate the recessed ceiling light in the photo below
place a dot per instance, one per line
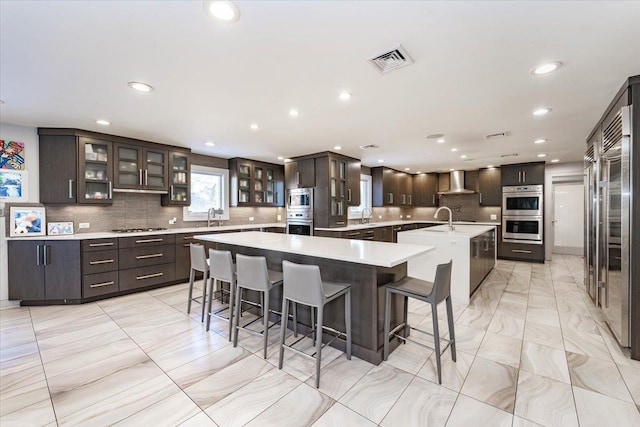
(337, 147)
(542, 155)
(454, 150)
(555, 160)
(294, 113)
(222, 10)
(440, 141)
(451, 170)
(540, 141)
(435, 136)
(344, 96)
(541, 111)
(546, 68)
(140, 87)
(287, 160)
(255, 126)
(490, 167)
(418, 171)
(380, 160)
(407, 169)
(280, 158)
(210, 144)
(464, 156)
(103, 122)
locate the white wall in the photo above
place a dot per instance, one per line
(552, 171)
(29, 136)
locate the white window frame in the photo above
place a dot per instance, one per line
(202, 216)
(355, 212)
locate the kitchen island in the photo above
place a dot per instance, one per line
(471, 247)
(367, 266)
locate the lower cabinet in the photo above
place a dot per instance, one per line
(44, 270)
(482, 258)
(522, 252)
(142, 277)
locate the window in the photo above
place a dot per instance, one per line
(365, 197)
(209, 189)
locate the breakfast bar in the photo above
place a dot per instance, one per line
(368, 266)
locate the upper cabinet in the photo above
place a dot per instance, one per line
(256, 183)
(336, 188)
(300, 173)
(425, 190)
(490, 187)
(75, 169)
(179, 180)
(139, 167)
(523, 174)
(353, 182)
(391, 187)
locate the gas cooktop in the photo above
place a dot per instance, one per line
(137, 230)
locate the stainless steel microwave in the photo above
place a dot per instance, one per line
(300, 199)
(522, 200)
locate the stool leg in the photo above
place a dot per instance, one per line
(295, 319)
(387, 321)
(347, 320)
(237, 324)
(192, 274)
(231, 296)
(210, 301)
(452, 335)
(205, 277)
(265, 322)
(283, 329)
(436, 339)
(405, 318)
(313, 330)
(319, 345)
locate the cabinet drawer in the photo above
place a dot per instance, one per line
(153, 240)
(356, 234)
(99, 261)
(146, 276)
(99, 244)
(149, 255)
(522, 252)
(99, 284)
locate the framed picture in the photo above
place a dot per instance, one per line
(27, 221)
(57, 228)
(13, 186)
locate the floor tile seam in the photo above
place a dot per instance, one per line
(489, 404)
(394, 402)
(354, 384)
(32, 404)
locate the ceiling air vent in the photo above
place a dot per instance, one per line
(509, 155)
(369, 147)
(391, 60)
(497, 135)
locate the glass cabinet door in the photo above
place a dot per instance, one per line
(95, 180)
(179, 180)
(129, 166)
(155, 169)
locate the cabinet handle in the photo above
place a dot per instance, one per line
(171, 190)
(349, 194)
(99, 285)
(186, 245)
(524, 176)
(149, 276)
(102, 261)
(95, 245)
(45, 254)
(110, 190)
(480, 198)
(520, 251)
(71, 189)
(390, 197)
(298, 179)
(187, 237)
(410, 202)
(139, 176)
(149, 240)
(353, 234)
(339, 222)
(146, 177)
(149, 256)
(519, 176)
(434, 199)
(38, 255)
(403, 199)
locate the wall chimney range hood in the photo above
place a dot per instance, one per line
(456, 184)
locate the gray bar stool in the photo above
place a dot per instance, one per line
(222, 270)
(252, 273)
(199, 262)
(303, 284)
(433, 293)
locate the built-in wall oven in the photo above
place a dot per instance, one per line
(300, 211)
(524, 200)
(522, 229)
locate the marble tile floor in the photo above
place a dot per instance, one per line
(532, 350)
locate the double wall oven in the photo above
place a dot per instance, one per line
(300, 211)
(522, 214)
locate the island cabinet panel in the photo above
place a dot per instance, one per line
(300, 173)
(489, 187)
(44, 270)
(522, 174)
(425, 190)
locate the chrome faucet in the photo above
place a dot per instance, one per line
(211, 214)
(364, 220)
(451, 227)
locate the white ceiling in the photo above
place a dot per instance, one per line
(66, 64)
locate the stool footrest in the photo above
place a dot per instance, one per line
(403, 325)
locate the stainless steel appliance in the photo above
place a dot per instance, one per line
(608, 216)
(522, 200)
(522, 229)
(300, 211)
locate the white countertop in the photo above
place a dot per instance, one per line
(381, 254)
(460, 230)
(399, 222)
(111, 234)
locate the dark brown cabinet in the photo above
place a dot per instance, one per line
(146, 261)
(482, 255)
(75, 169)
(489, 187)
(99, 267)
(353, 182)
(425, 190)
(44, 270)
(523, 174)
(300, 173)
(179, 180)
(256, 183)
(391, 187)
(138, 167)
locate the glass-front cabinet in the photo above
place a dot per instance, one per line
(179, 180)
(140, 168)
(256, 184)
(338, 184)
(95, 180)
